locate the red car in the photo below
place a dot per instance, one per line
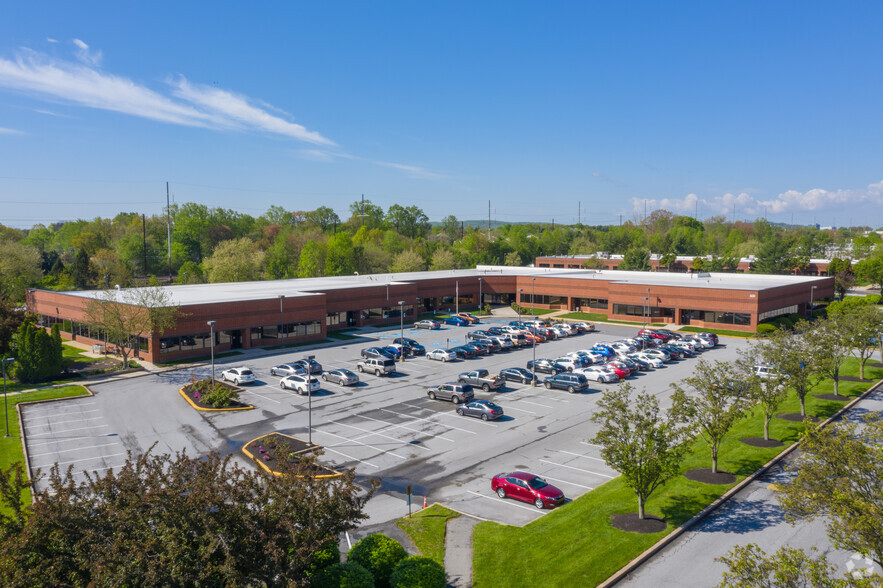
(655, 334)
(619, 370)
(527, 487)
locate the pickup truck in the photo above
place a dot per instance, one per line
(482, 379)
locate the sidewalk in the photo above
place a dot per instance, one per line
(458, 550)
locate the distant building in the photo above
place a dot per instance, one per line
(681, 264)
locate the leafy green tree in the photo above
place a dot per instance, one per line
(236, 260)
(750, 567)
(279, 259)
(639, 442)
(409, 221)
(710, 401)
(339, 256)
(871, 269)
(190, 272)
(81, 272)
(343, 575)
(666, 259)
(450, 226)
(379, 555)
(12, 317)
(366, 214)
(20, 268)
(37, 353)
(794, 355)
(312, 260)
(844, 279)
(323, 217)
(418, 571)
(175, 521)
(407, 261)
(513, 259)
(636, 259)
(126, 315)
(840, 477)
(831, 346)
(773, 257)
(769, 392)
(443, 259)
(860, 322)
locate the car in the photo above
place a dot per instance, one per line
(469, 317)
(300, 384)
(453, 391)
(478, 349)
(661, 354)
(671, 334)
(463, 352)
(586, 327)
(441, 354)
(518, 374)
(287, 369)
(560, 332)
(518, 324)
(604, 350)
(527, 487)
(394, 350)
(654, 362)
(766, 372)
(568, 381)
(497, 331)
(633, 365)
(676, 352)
(483, 409)
(620, 371)
(704, 343)
(505, 343)
(592, 357)
(546, 365)
(485, 346)
(655, 334)
(309, 364)
(599, 373)
(693, 346)
(630, 367)
(569, 363)
(457, 321)
(413, 347)
(706, 335)
(238, 375)
(377, 353)
(430, 324)
(342, 377)
(642, 365)
(533, 339)
(477, 334)
(539, 334)
(379, 366)
(622, 347)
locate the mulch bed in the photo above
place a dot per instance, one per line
(854, 379)
(277, 452)
(706, 476)
(761, 442)
(631, 523)
(796, 417)
(234, 404)
(835, 397)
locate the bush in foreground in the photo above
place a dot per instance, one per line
(379, 555)
(418, 571)
(343, 575)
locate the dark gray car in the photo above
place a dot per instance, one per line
(482, 409)
(342, 377)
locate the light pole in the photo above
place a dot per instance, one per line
(6, 360)
(520, 290)
(185, 278)
(211, 326)
(644, 312)
(310, 409)
(387, 304)
(402, 327)
(480, 301)
(281, 317)
(811, 296)
(533, 381)
(457, 297)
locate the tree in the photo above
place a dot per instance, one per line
(773, 256)
(12, 316)
(450, 226)
(312, 260)
(871, 269)
(323, 217)
(407, 261)
(236, 260)
(839, 476)
(513, 259)
(769, 392)
(20, 268)
(861, 324)
(37, 353)
(667, 259)
(339, 259)
(636, 259)
(366, 214)
(750, 567)
(126, 315)
(418, 571)
(177, 521)
(379, 555)
(190, 272)
(844, 278)
(343, 575)
(593, 263)
(443, 259)
(831, 346)
(713, 405)
(410, 221)
(794, 356)
(636, 440)
(80, 271)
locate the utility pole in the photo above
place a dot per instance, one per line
(169, 227)
(488, 220)
(579, 212)
(144, 241)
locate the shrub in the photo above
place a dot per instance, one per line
(327, 555)
(219, 395)
(379, 555)
(764, 328)
(418, 571)
(343, 575)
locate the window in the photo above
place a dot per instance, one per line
(600, 303)
(638, 310)
(778, 312)
(717, 316)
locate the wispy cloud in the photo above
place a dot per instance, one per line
(412, 171)
(51, 40)
(791, 201)
(86, 55)
(5, 131)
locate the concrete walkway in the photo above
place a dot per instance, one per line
(458, 551)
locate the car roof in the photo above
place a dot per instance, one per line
(522, 476)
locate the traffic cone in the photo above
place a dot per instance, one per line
(424, 501)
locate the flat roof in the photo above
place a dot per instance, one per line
(301, 287)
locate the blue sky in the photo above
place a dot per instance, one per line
(543, 109)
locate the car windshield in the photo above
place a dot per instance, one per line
(537, 483)
(245, 372)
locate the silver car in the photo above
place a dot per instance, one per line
(288, 369)
(342, 377)
(441, 355)
(483, 409)
(599, 373)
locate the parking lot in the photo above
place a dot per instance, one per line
(385, 427)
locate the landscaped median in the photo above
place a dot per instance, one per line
(277, 453)
(576, 544)
(213, 396)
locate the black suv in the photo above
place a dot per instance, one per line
(567, 381)
(546, 365)
(412, 347)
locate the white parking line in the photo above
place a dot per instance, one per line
(350, 457)
(510, 407)
(85, 459)
(83, 472)
(591, 444)
(499, 500)
(76, 449)
(406, 427)
(567, 482)
(63, 422)
(427, 420)
(455, 415)
(561, 465)
(77, 429)
(582, 455)
(536, 404)
(359, 442)
(262, 396)
(368, 433)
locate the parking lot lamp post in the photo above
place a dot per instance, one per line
(457, 297)
(211, 326)
(533, 382)
(281, 317)
(480, 305)
(6, 406)
(520, 290)
(645, 310)
(402, 327)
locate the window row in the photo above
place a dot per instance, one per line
(778, 312)
(287, 331)
(638, 310)
(717, 316)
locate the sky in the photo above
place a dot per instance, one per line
(535, 112)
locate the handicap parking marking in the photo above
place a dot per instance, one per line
(562, 465)
(347, 439)
(508, 501)
(388, 424)
(369, 433)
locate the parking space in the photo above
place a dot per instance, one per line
(384, 427)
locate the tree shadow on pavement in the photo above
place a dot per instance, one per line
(743, 516)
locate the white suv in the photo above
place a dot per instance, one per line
(238, 375)
(570, 363)
(300, 384)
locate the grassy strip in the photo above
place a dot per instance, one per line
(426, 528)
(543, 549)
(71, 355)
(537, 311)
(744, 334)
(10, 447)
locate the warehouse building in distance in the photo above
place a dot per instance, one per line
(680, 264)
(280, 312)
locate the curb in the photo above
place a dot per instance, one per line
(662, 543)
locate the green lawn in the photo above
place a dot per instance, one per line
(71, 355)
(743, 334)
(10, 447)
(545, 548)
(537, 311)
(426, 528)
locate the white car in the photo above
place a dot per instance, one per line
(623, 346)
(238, 375)
(559, 331)
(505, 342)
(570, 363)
(654, 362)
(300, 384)
(599, 373)
(688, 344)
(588, 327)
(567, 329)
(593, 355)
(701, 341)
(664, 357)
(441, 355)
